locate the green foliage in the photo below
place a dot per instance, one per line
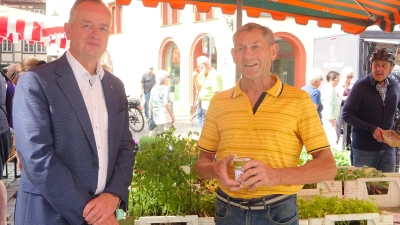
(159, 185)
(346, 173)
(342, 158)
(319, 206)
(145, 141)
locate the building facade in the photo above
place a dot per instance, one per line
(14, 53)
(170, 39)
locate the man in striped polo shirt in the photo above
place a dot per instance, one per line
(269, 122)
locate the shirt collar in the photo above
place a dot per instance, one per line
(275, 90)
(79, 70)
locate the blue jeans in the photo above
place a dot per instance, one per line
(282, 213)
(146, 104)
(383, 160)
(201, 115)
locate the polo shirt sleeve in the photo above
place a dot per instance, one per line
(310, 128)
(209, 138)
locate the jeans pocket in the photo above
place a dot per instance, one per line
(283, 213)
(221, 209)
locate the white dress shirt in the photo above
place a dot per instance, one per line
(92, 92)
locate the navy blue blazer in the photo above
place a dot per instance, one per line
(56, 145)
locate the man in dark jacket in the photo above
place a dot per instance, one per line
(370, 109)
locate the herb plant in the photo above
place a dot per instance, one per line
(160, 186)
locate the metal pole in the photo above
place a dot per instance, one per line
(238, 25)
(209, 48)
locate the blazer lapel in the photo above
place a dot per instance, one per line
(112, 109)
(69, 86)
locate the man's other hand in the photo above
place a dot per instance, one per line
(99, 209)
(110, 221)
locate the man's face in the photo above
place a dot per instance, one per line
(151, 70)
(253, 55)
(88, 31)
(381, 69)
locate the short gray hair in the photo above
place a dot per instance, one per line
(347, 71)
(266, 33)
(314, 75)
(77, 2)
(203, 59)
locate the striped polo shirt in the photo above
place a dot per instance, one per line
(285, 121)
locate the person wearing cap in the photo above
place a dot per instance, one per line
(315, 80)
(159, 103)
(370, 109)
(148, 81)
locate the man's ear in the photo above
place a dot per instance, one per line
(233, 55)
(274, 51)
(67, 28)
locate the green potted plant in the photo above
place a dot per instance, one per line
(343, 211)
(161, 187)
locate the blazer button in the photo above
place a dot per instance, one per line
(95, 164)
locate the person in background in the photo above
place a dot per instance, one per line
(370, 108)
(268, 122)
(107, 67)
(208, 82)
(159, 103)
(395, 75)
(331, 102)
(315, 80)
(5, 137)
(72, 131)
(148, 81)
(26, 64)
(10, 92)
(343, 90)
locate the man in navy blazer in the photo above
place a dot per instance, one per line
(71, 130)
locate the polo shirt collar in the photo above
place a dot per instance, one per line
(275, 90)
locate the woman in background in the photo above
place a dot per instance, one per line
(159, 103)
(312, 89)
(331, 102)
(343, 90)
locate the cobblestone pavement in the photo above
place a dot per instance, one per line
(182, 125)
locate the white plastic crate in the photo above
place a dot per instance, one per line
(324, 188)
(190, 220)
(206, 221)
(358, 189)
(372, 219)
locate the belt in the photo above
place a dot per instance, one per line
(253, 204)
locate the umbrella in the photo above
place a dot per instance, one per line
(354, 16)
(16, 25)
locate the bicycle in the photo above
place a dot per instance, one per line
(136, 119)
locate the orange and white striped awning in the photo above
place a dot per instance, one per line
(16, 25)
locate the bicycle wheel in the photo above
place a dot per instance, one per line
(136, 120)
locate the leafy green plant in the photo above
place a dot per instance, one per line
(374, 188)
(319, 206)
(160, 186)
(342, 158)
(145, 141)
